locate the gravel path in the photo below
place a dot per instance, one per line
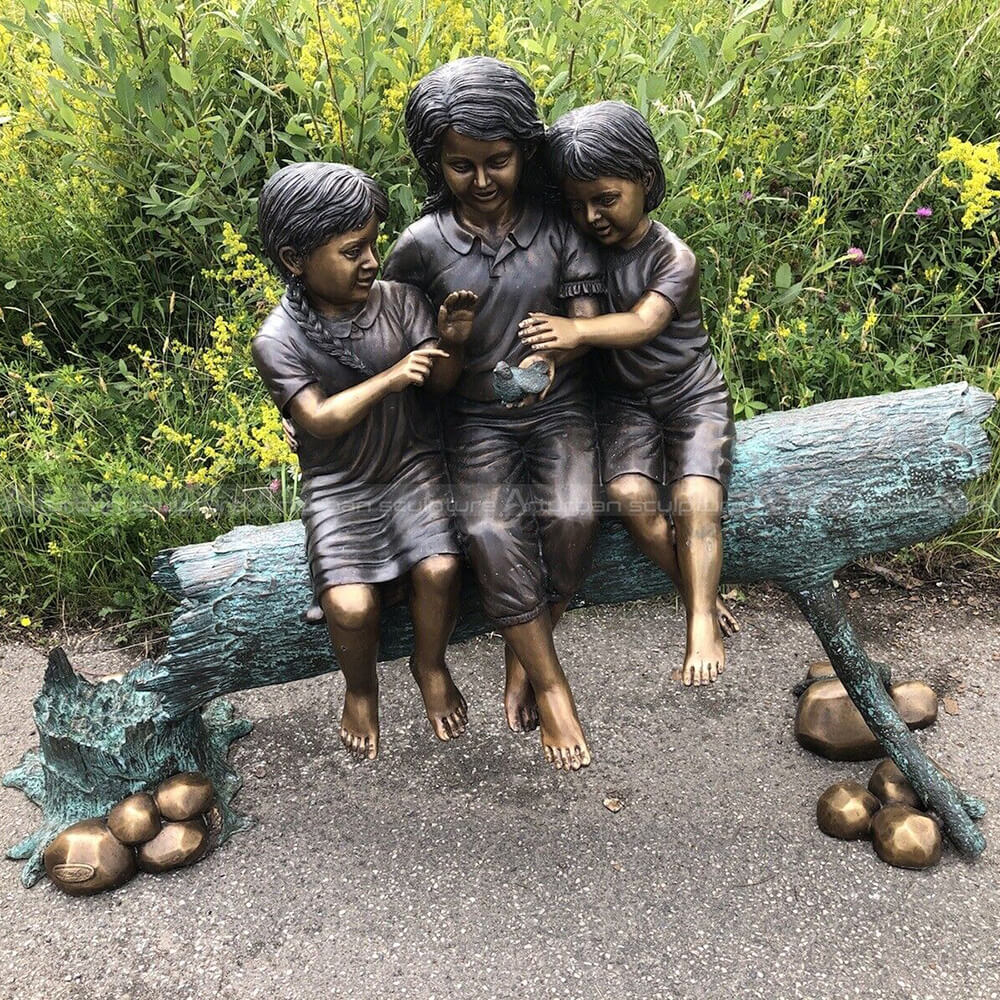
(472, 870)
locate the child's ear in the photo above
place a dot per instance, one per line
(647, 180)
(291, 260)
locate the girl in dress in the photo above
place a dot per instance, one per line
(664, 415)
(343, 356)
(524, 480)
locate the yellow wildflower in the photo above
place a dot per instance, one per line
(979, 191)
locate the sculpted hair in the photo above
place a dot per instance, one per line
(608, 139)
(303, 206)
(480, 98)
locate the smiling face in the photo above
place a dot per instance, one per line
(610, 210)
(481, 175)
(338, 275)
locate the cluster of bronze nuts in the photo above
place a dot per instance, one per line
(155, 832)
(888, 811)
(828, 724)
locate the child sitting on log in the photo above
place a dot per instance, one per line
(664, 415)
(344, 357)
(525, 479)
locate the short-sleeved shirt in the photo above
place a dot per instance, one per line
(660, 262)
(541, 263)
(400, 429)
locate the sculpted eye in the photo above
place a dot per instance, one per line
(499, 162)
(460, 166)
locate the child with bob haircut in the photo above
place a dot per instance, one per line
(664, 415)
(343, 356)
(524, 480)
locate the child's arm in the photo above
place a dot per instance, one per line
(330, 416)
(578, 307)
(454, 323)
(651, 315)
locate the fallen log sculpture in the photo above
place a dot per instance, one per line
(812, 490)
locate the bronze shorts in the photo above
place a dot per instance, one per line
(525, 494)
(679, 428)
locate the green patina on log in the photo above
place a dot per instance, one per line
(812, 490)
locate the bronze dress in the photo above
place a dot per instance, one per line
(663, 409)
(375, 498)
(524, 480)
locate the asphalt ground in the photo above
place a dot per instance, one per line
(472, 870)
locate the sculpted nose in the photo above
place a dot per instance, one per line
(481, 179)
(593, 215)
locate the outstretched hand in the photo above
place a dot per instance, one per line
(414, 368)
(543, 332)
(455, 317)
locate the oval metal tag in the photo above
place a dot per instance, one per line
(74, 873)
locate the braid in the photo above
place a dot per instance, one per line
(309, 321)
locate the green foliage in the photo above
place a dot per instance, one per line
(132, 134)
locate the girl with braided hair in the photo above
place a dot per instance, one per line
(344, 357)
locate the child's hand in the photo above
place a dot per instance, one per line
(414, 368)
(290, 438)
(537, 397)
(549, 333)
(455, 317)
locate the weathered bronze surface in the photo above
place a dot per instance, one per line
(176, 845)
(135, 819)
(909, 484)
(891, 788)
(820, 668)
(184, 796)
(85, 859)
(917, 703)
(828, 723)
(845, 810)
(906, 838)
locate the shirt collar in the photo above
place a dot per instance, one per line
(371, 308)
(461, 240)
(344, 327)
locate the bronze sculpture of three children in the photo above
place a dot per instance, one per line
(534, 249)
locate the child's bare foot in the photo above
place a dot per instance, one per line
(359, 724)
(519, 703)
(562, 735)
(446, 708)
(728, 624)
(705, 657)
